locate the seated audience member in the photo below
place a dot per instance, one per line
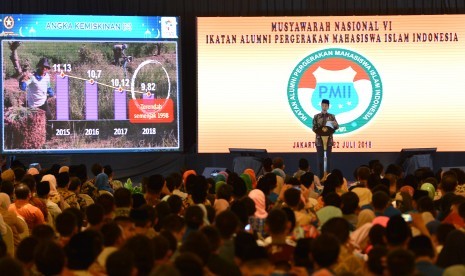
(176, 205)
(141, 220)
(350, 209)
(304, 218)
(398, 233)
(82, 251)
(215, 263)
(83, 200)
(43, 190)
(49, 258)
(121, 263)
(25, 253)
(70, 198)
(175, 225)
(34, 199)
(102, 183)
(251, 258)
(188, 264)
(127, 226)
(227, 224)
(144, 254)
(11, 218)
(112, 240)
(257, 221)
(280, 253)
(44, 232)
(425, 256)
(53, 195)
(162, 249)
(375, 264)
(154, 186)
(66, 226)
(198, 244)
(325, 254)
(348, 261)
(452, 253)
(107, 201)
(89, 186)
(32, 215)
(331, 209)
(400, 262)
(95, 217)
(123, 202)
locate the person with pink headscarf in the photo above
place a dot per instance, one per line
(257, 221)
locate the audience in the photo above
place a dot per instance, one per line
(247, 224)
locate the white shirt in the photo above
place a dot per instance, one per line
(37, 90)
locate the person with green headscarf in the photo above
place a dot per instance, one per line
(247, 180)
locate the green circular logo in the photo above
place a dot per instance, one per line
(347, 79)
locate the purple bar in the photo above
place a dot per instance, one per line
(120, 105)
(145, 97)
(91, 101)
(62, 100)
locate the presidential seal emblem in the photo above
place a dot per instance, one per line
(347, 79)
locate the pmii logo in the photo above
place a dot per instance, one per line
(347, 79)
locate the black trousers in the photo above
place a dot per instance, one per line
(320, 159)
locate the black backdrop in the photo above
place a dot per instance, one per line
(135, 165)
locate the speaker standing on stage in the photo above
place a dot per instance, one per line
(320, 120)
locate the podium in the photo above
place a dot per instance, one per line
(324, 132)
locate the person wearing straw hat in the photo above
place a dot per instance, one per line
(38, 87)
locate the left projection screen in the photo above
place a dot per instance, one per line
(90, 84)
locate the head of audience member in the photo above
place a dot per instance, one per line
(174, 181)
(376, 257)
(8, 175)
(25, 251)
(460, 175)
(138, 200)
(154, 184)
(22, 192)
(292, 198)
(259, 199)
(377, 235)
(112, 234)
(422, 247)
(349, 203)
(123, 198)
(238, 184)
(325, 251)
(176, 205)
(267, 165)
(43, 189)
(78, 215)
(448, 182)
(162, 249)
(8, 188)
(175, 225)
(380, 201)
(127, 226)
(95, 214)
(398, 232)
(74, 184)
(83, 249)
(62, 180)
(338, 227)
(144, 254)
(198, 244)
(267, 183)
(43, 232)
(121, 262)
(162, 209)
(107, 201)
(188, 264)
(66, 225)
(96, 169)
(227, 224)
(452, 253)
(400, 261)
(199, 190)
(332, 199)
(194, 217)
(108, 170)
(307, 179)
(49, 258)
(278, 163)
(246, 250)
(331, 184)
(363, 174)
(277, 223)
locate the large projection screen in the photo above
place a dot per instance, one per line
(80, 84)
(393, 82)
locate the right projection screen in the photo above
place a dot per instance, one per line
(393, 82)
